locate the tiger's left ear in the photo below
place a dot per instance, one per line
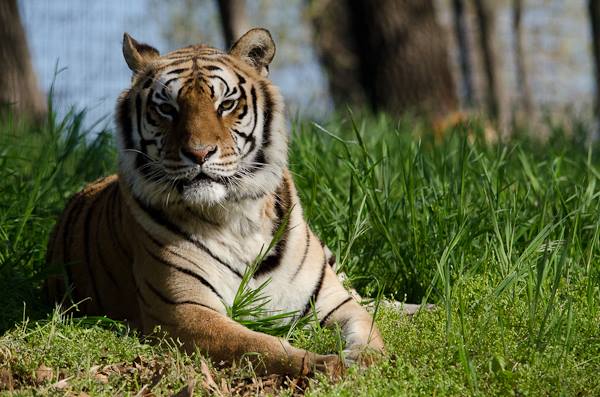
(137, 55)
(256, 48)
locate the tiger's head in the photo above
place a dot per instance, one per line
(199, 126)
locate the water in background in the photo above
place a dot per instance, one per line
(82, 40)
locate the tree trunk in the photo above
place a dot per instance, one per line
(19, 93)
(486, 25)
(233, 20)
(387, 53)
(525, 102)
(337, 51)
(594, 11)
(464, 53)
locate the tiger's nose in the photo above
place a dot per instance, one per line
(200, 154)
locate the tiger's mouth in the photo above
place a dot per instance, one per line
(199, 180)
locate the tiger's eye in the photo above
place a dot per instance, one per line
(226, 105)
(166, 109)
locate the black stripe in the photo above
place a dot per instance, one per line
(244, 112)
(168, 301)
(124, 121)
(102, 262)
(147, 83)
(176, 61)
(251, 138)
(177, 71)
(138, 115)
(179, 91)
(78, 205)
(273, 261)
(282, 210)
(171, 80)
(150, 120)
(331, 261)
(315, 294)
(214, 76)
(243, 98)
(241, 80)
(305, 252)
(212, 67)
(268, 115)
(120, 218)
(254, 109)
(138, 292)
(324, 320)
(86, 248)
(161, 246)
(104, 215)
(185, 271)
(160, 219)
(161, 94)
(259, 159)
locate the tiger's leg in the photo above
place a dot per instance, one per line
(224, 340)
(358, 327)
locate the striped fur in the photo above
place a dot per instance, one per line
(202, 187)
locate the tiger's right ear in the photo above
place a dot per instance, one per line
(256, 48)
(137, 55)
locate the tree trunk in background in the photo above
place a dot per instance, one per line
(233, 20)
(19, 92)
(389, 54)
(464, 53)
(594, 11)
(335, 45)
(524, 102)
(486, 25)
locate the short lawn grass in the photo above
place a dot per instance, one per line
(503, 238)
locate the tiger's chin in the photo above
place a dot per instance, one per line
(203, 192)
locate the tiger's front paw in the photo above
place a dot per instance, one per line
(330, 364)
(364, 356)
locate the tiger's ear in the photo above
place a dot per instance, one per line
(137, 55)
(256, 48)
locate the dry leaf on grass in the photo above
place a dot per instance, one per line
(224, 387)
(43, 374)
(208, 382)
(144, 392)
(102, 378)
(62, 384)
(6, 379)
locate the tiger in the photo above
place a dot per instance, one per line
(201, 191)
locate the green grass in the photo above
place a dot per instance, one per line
(503, 238)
